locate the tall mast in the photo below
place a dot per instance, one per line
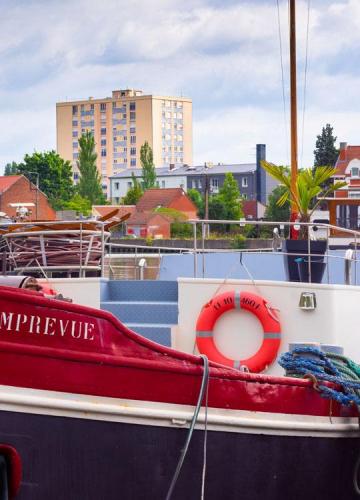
(293, 100)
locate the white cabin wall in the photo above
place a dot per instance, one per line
(239, 333)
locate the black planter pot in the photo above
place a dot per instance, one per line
(298, 250)
(317, 271)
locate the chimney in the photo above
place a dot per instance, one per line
(342, 155)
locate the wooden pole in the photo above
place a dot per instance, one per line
(293, 102)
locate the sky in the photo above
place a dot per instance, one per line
(224, 54)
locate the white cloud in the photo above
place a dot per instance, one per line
(224, 55)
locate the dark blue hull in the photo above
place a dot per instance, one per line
(79, 459)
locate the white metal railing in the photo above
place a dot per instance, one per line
(205, 223)
(56, 246)
(22, 235)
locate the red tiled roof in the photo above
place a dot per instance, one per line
(153, 198)
(102, 210)
(346, 155)
(8, 180)
(142, 218)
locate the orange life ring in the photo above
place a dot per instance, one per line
(252, 303)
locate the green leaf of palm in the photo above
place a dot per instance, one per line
(283, 199)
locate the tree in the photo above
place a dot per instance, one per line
(198, 200)
(134, 194)
(273, 210)
(229, 194)
(79, 204)
(53, 174)
(90, 181)
(217, 209)
(11, 168)
(147, 165)
(325, 151)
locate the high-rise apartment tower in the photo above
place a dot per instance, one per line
(121, 124)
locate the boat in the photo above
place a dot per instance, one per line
(90, 409)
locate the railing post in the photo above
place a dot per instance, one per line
(327, 255)
(81, 258)
(203, 248)
(102, 250)
(195, 251)
(355, 260)
(309, 254)
(349, 256)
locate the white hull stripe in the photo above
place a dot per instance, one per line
(81, 406)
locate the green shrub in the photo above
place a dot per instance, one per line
(239, 241)
(181, 230)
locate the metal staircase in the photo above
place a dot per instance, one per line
(147, 307)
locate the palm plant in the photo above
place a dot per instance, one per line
(310, 189)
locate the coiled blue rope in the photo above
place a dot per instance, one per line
(325, 367)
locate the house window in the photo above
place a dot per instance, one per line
(103, 152)
(132, 130)
(103, 106)
(193, 184)
(74, 110)
(132, 115)
(132, 106)
(215, 185)
(133, 151)
(75, 133)
(74, 123)
(103, 131)
(163, 184)
(244, 182)
(91, 106)
(103, 142)
(354, 194)
(129, 185)
(355, 172)
(133, 162)
(117, 185)
(76, 176)
(132, 139)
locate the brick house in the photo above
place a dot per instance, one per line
(145, 222)
(344, 207)
(17, 189)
